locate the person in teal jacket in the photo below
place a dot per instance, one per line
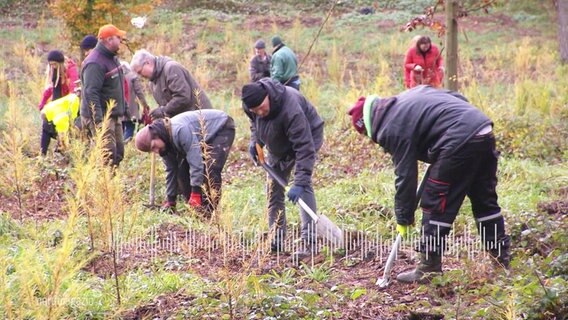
(284, 64)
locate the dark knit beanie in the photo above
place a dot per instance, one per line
(88, 42)
(276, 41)
(260, 44)
(55, 55)
(253, 94)
(356, 113)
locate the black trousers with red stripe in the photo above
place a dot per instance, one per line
(469, 172)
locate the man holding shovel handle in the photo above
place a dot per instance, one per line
(287, 124)
(441, 128)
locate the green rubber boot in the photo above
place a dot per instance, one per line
(425, 271)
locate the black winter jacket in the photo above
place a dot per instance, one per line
(292, 130)
(423, 124)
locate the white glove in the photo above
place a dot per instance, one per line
(418, 68)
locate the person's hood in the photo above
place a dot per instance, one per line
(276, 92)
(159, 65)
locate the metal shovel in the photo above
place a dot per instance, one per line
(385, 280)
(324, 226)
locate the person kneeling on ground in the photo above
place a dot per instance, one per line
(441, 128)
(194, 146)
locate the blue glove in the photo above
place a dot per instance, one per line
(253, 153)
(294, 193)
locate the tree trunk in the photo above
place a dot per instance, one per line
(563, 29)
(451, 81)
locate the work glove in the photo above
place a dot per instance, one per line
(168, 207)
(403, 230)
(294, 193)
(418, 68)
(146, 119)
(157, 113)
(195, 197)
(253, 153)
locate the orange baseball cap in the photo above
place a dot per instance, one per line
(109, 30)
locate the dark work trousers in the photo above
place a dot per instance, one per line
(128, 129)
(276, 201)
(47, 133)
(471, 171)
(293, 82)
(215, 158)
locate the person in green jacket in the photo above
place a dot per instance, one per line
(284, 64)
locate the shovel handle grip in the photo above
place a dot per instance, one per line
(260, 153)
(281, 181)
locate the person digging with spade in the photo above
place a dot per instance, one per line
(284, 121)
(441, 128)
(194, 146)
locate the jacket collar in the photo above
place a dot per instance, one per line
(105, 51)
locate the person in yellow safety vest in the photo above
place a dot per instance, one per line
(57, 117)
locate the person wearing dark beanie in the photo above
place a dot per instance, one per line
(253, 94)
(288, 125)
(88, 43)
(61, 77)
(55, 56)
(284, 64)
(441, 128)
(260, 63)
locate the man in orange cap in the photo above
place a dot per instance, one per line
(103, 92)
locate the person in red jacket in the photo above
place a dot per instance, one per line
(423, 64)
(61, 76)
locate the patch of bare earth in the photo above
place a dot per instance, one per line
(557, 206)
(44, 199)
(219, 257)
(161, 307)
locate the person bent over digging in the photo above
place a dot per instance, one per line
(284, 121)
(441, 128)
(194, 146)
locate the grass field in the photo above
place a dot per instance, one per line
(77, 242)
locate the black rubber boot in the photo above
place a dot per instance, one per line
(305, 249)
(502, 254)
(430, 265)
(276, 247)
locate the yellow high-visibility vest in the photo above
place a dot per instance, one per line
(62, 112)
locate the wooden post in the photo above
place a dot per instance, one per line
(451, 78)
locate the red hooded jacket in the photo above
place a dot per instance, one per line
(431, 61)
(66, 88)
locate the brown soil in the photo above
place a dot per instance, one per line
(554, 207)
(44, 199)
(208, 258)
